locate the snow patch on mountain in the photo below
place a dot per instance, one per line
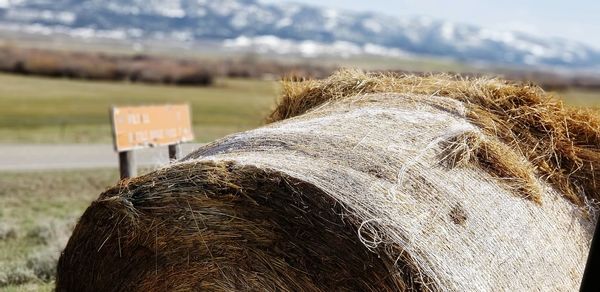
(275, 45)
(284, 28)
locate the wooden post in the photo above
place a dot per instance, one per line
(127, 166)
(174, 151)
(590, 281)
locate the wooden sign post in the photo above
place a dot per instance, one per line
(174, 151)
(142, 127)
(127, 166)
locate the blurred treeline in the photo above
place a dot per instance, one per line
(146, 68)
(170, 70)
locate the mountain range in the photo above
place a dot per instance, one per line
(284, 28)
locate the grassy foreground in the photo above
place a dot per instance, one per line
(37, 212)
(46, 110)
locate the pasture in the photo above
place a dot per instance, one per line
(37, 207)
(45, 110)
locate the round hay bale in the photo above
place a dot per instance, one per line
(361, 182)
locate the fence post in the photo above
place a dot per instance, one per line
(127, 166)
(174, 151)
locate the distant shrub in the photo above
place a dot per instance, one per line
(92, 66)
(7, 231)
(43, 64)
(15, 275)
(53, 232)
(167, 70)
(43, 263)
(51, 235)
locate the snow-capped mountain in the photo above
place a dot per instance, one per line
(289, 28)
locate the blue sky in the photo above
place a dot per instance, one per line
(570, 19)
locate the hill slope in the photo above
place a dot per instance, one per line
(289, 28)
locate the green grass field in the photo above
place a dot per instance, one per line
(581, 98)
(45, 110)
(34, 109)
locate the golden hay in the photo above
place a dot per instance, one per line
(563, 143)
(219, 227)
(498, 159)
(366, 182)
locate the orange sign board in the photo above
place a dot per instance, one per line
(137, 127)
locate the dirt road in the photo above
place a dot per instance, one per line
(25, 157)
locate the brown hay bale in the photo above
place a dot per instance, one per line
(376, 191)
(222, 240)
(563, 143)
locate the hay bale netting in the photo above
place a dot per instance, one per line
(362, 182)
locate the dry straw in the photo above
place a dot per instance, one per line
(563, 143)
(366, 182)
